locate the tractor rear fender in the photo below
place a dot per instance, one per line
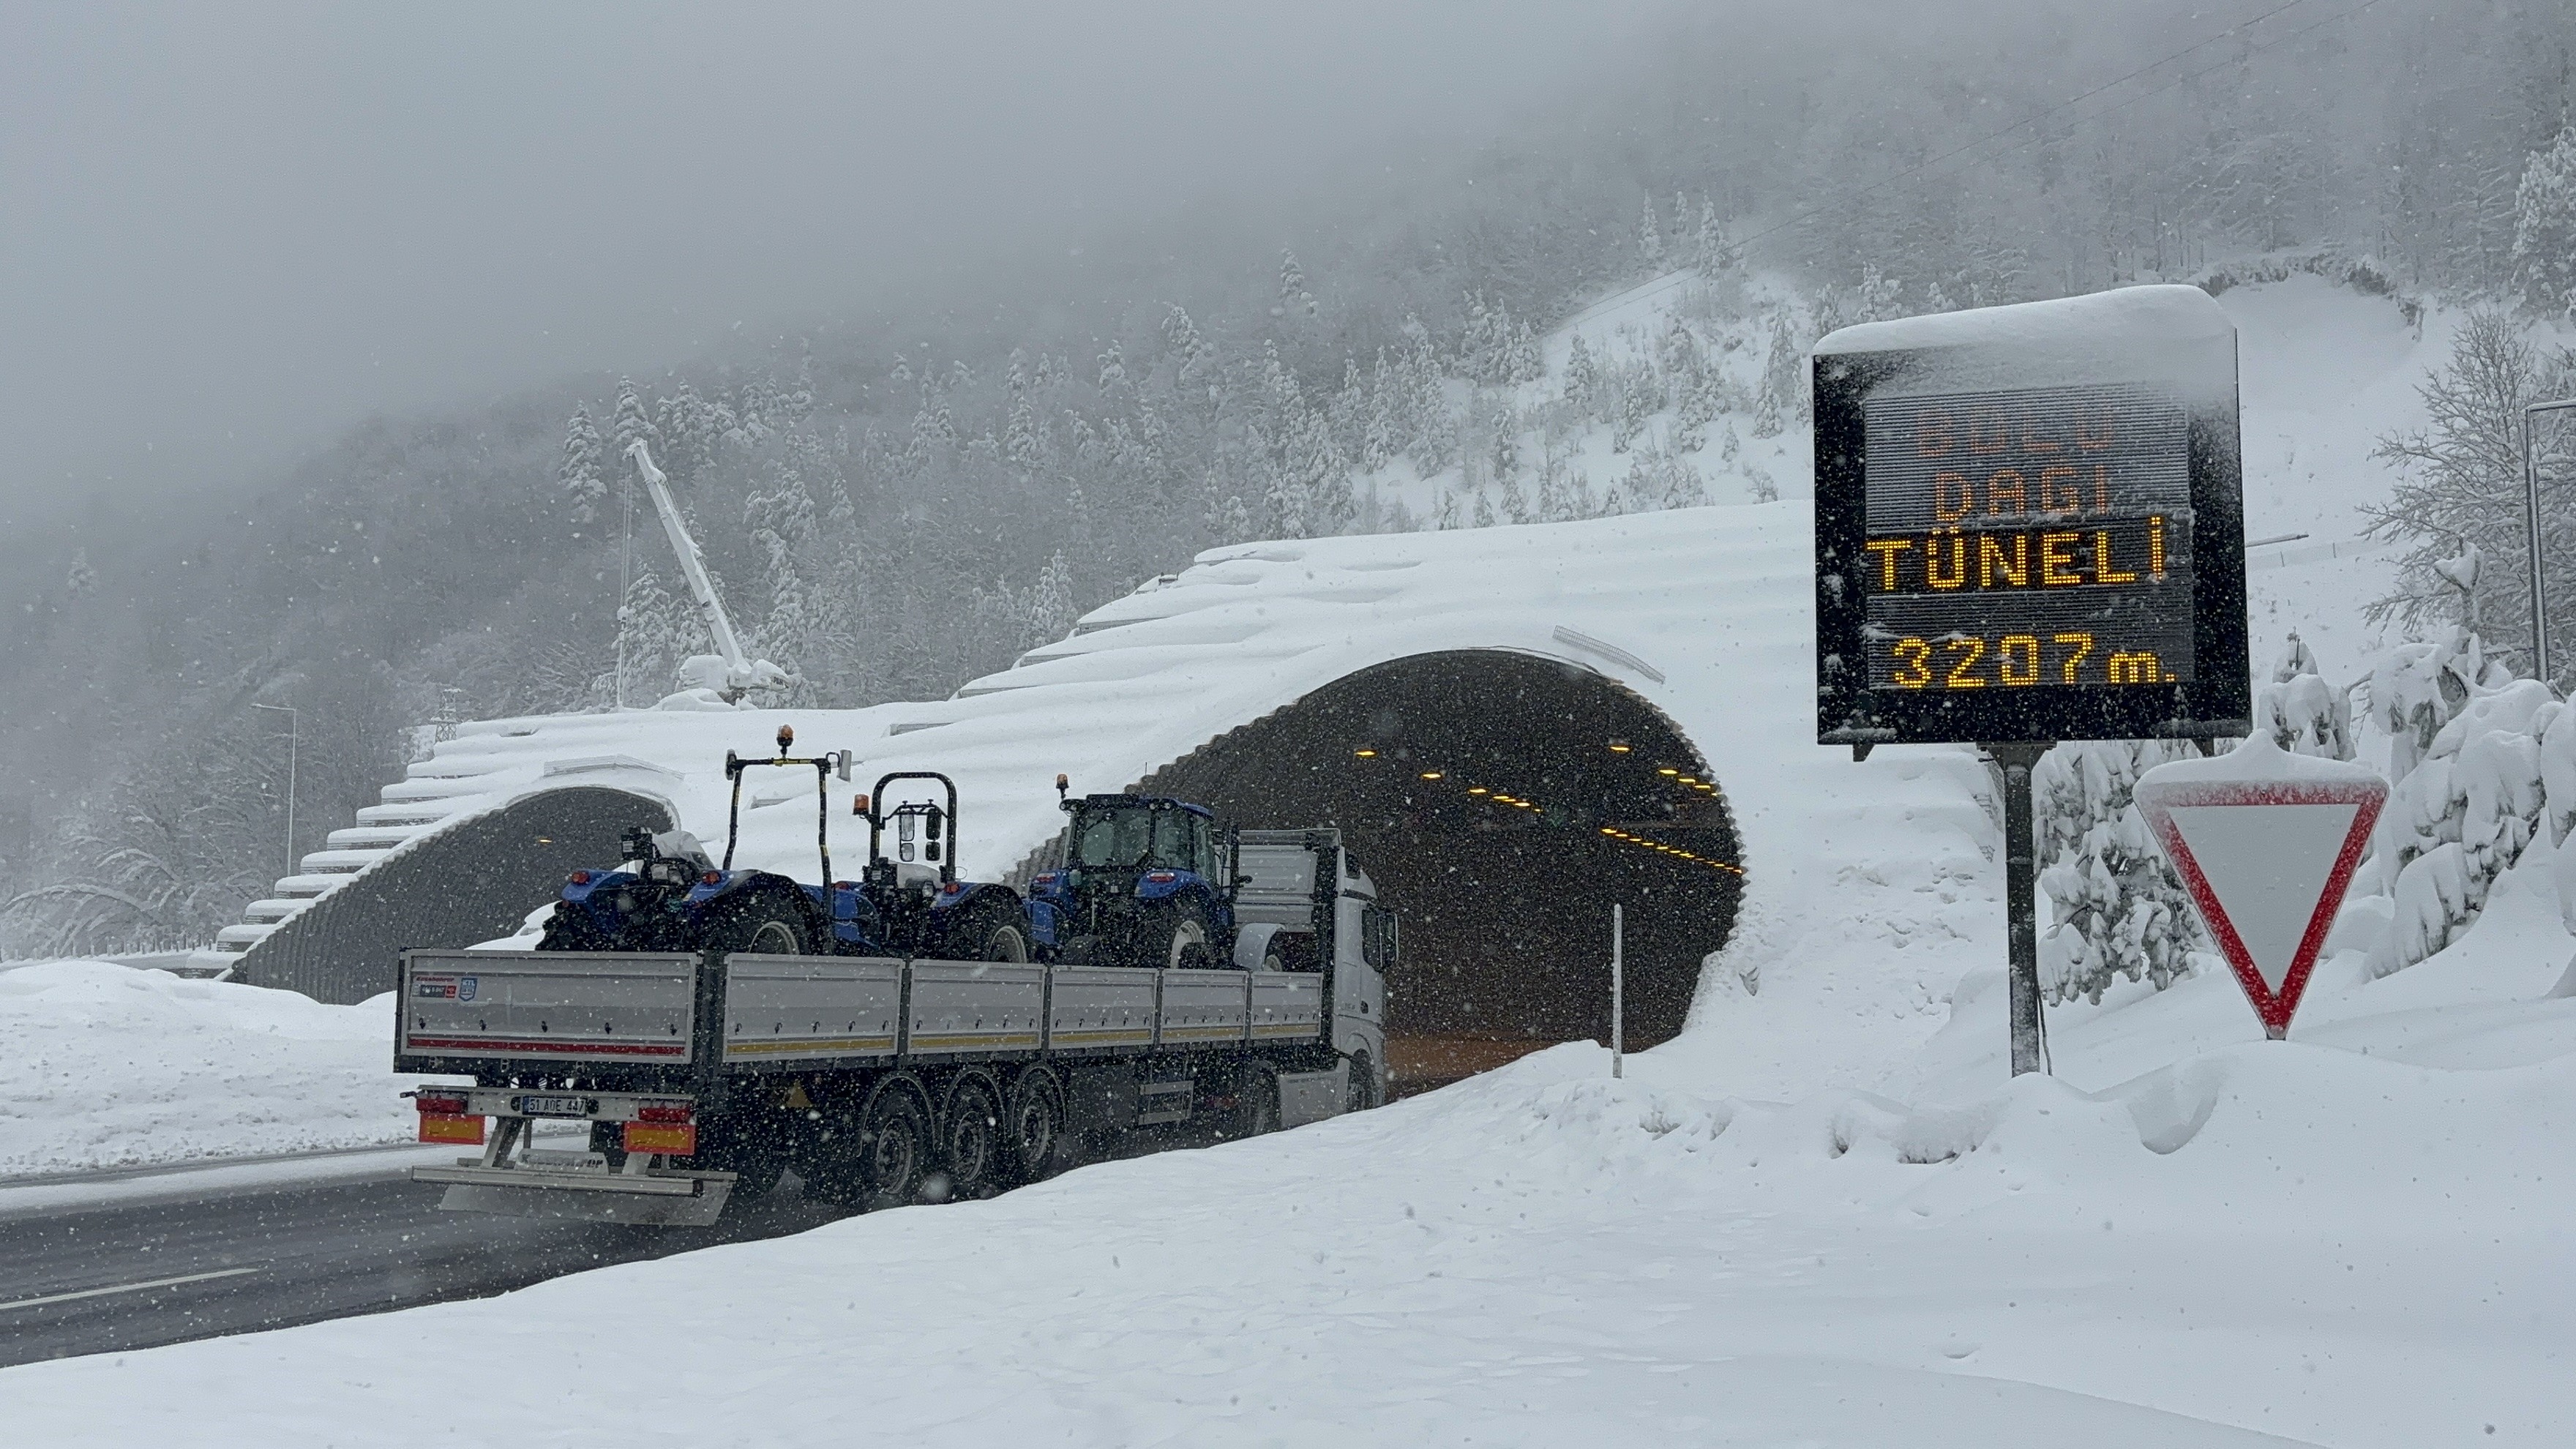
(1252, 945)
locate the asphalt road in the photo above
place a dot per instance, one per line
(116, 1276)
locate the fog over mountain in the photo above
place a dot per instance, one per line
(233, 230)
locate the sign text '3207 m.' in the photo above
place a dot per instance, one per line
(2023, 538)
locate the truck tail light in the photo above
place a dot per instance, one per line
(679, 1141)
(449, 1104)
(665, 1113)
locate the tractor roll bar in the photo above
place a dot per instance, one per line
(878, 815)
(825, 765)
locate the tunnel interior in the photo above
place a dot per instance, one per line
(1502, 803)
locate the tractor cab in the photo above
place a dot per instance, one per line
(1143, 883)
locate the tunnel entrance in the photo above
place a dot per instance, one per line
(1501, 802)
(468, 883)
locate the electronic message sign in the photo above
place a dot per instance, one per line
(2029, 524)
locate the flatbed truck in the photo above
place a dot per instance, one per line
(879, 1080)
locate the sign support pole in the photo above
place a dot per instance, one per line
(1618, 1037)
(2021, 897)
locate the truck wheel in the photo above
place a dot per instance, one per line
(894, 1148)
(1363, 1093)
(743, 1146)
(1033, 1127)
(1006, 944)
(605, 1139)
(970, 1145)
(1256, 1104)
(763, 923)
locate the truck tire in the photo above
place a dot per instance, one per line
(764, 923)
(1033, 1127)
(971, 1145)
(893, 1150)
(1365, 1092)
(1256, 1104)
(744, 1145)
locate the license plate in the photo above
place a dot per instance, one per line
(554, 1106)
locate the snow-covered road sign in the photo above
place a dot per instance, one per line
(2266, 842)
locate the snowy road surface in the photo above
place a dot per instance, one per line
(124, 1275)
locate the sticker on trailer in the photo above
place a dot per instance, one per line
(445, 988)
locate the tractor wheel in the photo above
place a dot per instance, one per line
(1187, 946)
(570, 929)
(1006, 943)
(766, 924)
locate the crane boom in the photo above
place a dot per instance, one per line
(741, 673)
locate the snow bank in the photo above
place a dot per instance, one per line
(107, 1066)
(2290, 1238)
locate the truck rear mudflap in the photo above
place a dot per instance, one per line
(516, 1178)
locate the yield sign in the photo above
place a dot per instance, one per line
(2266, 842)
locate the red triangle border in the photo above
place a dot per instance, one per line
(2275, 1009)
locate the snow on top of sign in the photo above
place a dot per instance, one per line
(2157, 313)
(2259, 758)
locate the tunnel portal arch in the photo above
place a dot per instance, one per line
(1501, 801)
(470, 882)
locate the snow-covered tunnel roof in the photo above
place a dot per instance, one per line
(1705, 613)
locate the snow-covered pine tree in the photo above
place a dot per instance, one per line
(2544, 229)
(1582, 379)
(2119, 909)
(1712, 254)
(630, 422)
(1380, 436)
(579, 472)
(1650, 236)
(1778, 401)
(1294, 299)
(1051, 606)
(1639, 398)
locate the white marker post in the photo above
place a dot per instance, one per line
(1618, 1037)
(2266, 843)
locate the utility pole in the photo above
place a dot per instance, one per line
(2531, 529)
(291, 740)
(1618, 1017)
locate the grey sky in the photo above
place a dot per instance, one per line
(227, 231)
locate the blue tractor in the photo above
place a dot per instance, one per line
(1144, 883)
(668, 895)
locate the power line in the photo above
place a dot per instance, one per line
(2031, 120)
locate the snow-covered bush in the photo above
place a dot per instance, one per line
(2119, 908)
(2462, 817)
(2302, 712)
